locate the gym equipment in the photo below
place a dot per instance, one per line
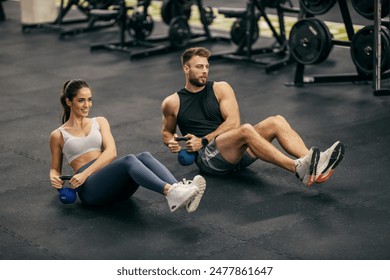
(310, 41)
(67, 195)
(317, 7)
(2, 14)
(365, 8)
(186, 158)
(181, 139)
(379, 90)
(175, 13)
(245, 32)
(238, 31)
(363, 51)
(179, 32)
(139, 26)
(85, 7)
(172, 9)
(305, 53)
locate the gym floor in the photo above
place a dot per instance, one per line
(262, 212)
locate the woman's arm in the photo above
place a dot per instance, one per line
(108, 154)
(56, 159)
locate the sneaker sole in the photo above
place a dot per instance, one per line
(191, 198)
(336, 157)
(313, 165)
(193, 205)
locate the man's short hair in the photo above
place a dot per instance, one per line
(191, 52)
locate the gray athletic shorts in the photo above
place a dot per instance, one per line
(210, 161)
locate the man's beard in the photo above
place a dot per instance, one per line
(196, 82)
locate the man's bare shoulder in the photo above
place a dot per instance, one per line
(171, 102)
(174, 97)
(223, 89)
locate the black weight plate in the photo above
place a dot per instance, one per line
(171, 9)
(317, 7)
(310, 41)
(328, 43)
(365, 8)
(179, 32)
(238, 32)
(140, 25)
(208, 16)
(363, 52)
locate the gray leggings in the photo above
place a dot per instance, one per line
(119, 180)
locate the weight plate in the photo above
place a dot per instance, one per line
(179, 32)
(171, 9)
(208, 15)
(140, 25)
(363, 52)
(317, 7)
(365, 8)
(310, 41)
(238, 32)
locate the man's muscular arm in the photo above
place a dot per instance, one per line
(230, 112)
(170, 108)
(229, 109)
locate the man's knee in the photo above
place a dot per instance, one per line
(277, 121)
(247, 131)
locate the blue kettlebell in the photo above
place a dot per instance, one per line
(186, 158)
(67, 195)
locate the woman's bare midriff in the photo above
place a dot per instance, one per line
(79, 162)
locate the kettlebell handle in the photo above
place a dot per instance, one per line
(66, 177)
(182, 139)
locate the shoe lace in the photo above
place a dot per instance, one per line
(185, 182)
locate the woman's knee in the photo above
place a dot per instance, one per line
(144, 156)
(129, 159)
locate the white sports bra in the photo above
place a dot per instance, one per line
(75, 146)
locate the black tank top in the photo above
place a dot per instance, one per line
(199, 112)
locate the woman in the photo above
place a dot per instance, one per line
(90, 150)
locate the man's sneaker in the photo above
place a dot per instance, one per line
(328, 161)
(180, 194)
(306, 167)
(200, 183)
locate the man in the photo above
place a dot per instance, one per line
(207, 113)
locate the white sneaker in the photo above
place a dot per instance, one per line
(200, 183)
(328, 161)
(306, 167)
(180, 194)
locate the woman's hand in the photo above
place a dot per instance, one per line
(56, 182)
(77, 180)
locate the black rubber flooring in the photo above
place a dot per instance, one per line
(262, 212)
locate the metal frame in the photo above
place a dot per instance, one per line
(378, 91)
(245, 51)
(300, 80)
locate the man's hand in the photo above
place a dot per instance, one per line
(194, 143)
(173, 145)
